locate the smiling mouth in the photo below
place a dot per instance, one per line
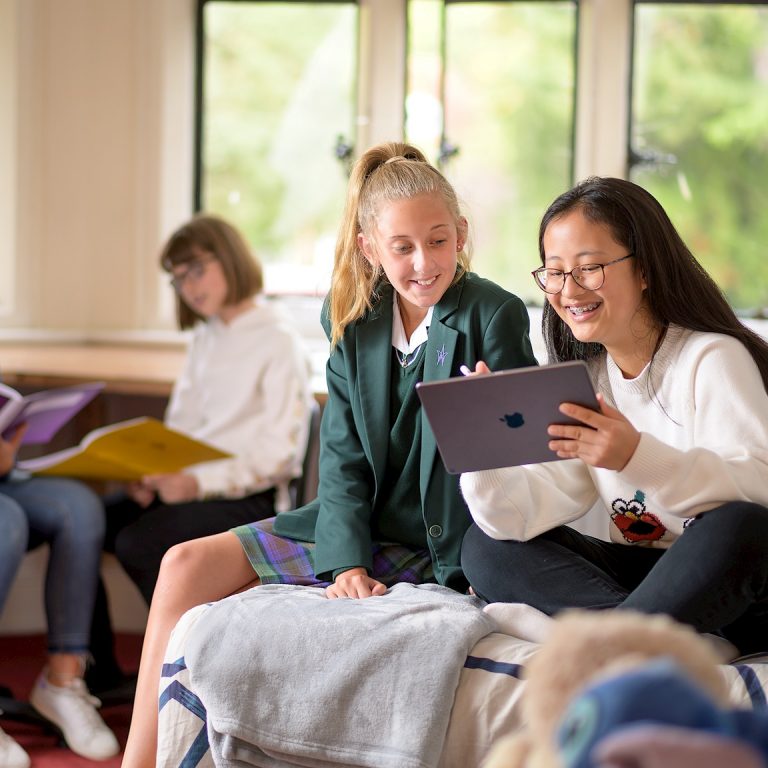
(426, 282)
(583, 309)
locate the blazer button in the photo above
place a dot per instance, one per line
(435, 531)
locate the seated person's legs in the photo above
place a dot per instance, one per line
(559, 569)
(715, 576)
(191, 573)
(140, 537)
(14, 535)
(141, 544)
(104, 674)
(13, 545)
(68, 516)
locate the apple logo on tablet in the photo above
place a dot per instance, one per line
(513, 420)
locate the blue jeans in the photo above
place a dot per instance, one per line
(714, 577)
(69, 517)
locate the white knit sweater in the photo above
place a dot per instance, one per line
(245, 389)
(702, 411)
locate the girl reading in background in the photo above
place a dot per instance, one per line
(244, 389)
(403, 307)
(677, 455)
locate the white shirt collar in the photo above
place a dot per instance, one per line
(418, 337)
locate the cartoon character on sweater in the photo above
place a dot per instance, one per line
(634, 521)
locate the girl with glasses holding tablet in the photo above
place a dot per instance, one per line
(677, 457)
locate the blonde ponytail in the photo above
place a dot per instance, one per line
(386, 172)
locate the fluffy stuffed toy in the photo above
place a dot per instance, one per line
(616, 689)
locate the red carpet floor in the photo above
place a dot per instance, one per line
(21, 658)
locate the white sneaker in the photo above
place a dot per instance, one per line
(73, 710)
(11, 754)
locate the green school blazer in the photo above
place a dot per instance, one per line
(475, 320)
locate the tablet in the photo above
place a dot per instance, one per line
(501, 419)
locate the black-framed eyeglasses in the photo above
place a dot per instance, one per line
(194, 272)
(587, 276)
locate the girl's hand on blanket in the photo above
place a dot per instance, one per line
(606, 440)
(355, 583)
(174, 488)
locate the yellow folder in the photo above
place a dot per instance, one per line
(126, 451)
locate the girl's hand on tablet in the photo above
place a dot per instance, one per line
(605, 439)
(481, 367)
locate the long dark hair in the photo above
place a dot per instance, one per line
(679, 290)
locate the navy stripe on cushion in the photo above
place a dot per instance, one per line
(489, 665)
(753, 685)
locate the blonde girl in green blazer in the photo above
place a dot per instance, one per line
(403, 307)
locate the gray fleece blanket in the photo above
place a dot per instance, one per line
(291, 678)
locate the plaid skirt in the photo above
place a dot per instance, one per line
(279, 560)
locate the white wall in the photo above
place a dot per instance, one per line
(96, 112)
(8, 99)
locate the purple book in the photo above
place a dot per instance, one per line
(44, 413)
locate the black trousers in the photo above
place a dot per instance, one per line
(714, 577)
(140, 537)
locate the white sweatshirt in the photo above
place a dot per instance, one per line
(245, 389)
(702, 411)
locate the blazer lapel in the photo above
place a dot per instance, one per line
(374, 364)
(438, 364)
